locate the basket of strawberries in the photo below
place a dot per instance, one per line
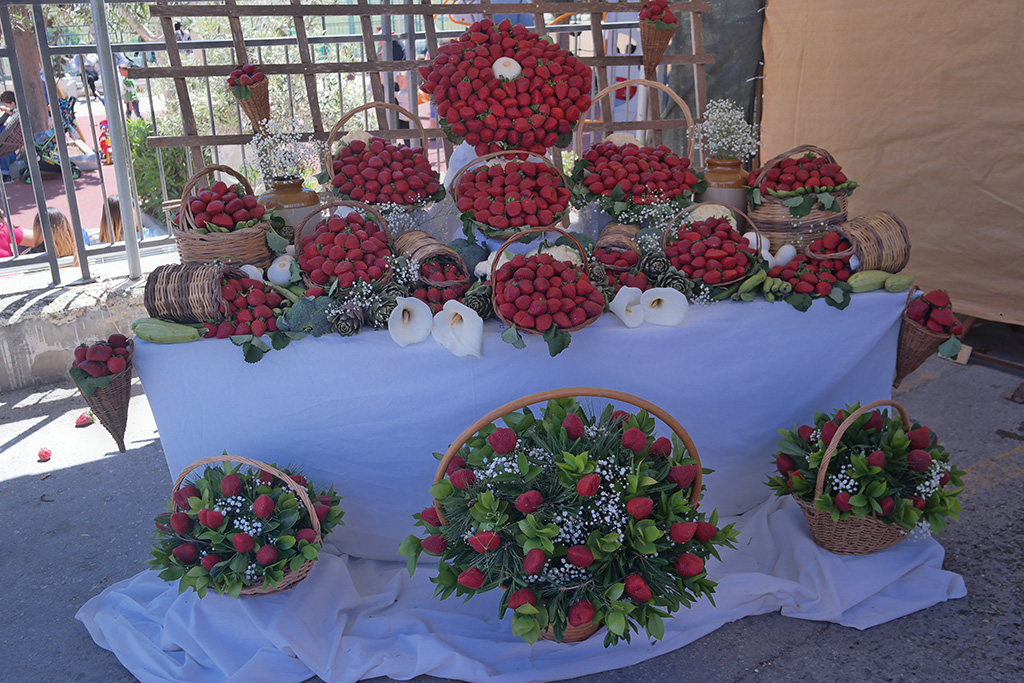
(441, 273)
(189, 292)
(221, 222)
(710, 250)
(928, 325)
(103, 373)
(250, 87)
(617, 251)
(369, 169)
(582, 518)
(343, 250)
(658, 25)
(878, 239)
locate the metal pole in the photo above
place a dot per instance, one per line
(62, 143)
(30, 151)
(118, 136)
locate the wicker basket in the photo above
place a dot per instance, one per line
(572, 633)
(257, 105)
(245, 246)
(290, 578)
(671, 229)
(110, 403)
(610, 90)
(653, 43)
(420, 246)
(497, 260)
(879, 239)
(916, 344)
(517, 155)
(317, 213)
(780, 226)
(188, 293)
(854, 535)
(618, 237)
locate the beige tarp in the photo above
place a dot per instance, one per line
(922, 102)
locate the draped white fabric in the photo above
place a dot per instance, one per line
(365, 414)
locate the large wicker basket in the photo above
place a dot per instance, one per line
(879, 239)
(780, 226)
(188, 292)
(671, 229)
(916, 344)
(854, 535)
(371, 214)
(110, 403)
(582, 632)
(290, 577)
(244, 246)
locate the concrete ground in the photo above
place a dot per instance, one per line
(75, 525)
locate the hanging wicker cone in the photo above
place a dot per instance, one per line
(653, 42)
(257, 105)
(110, 403)
(419, 246)
(916, 344)
(854, 535)
(188, 292)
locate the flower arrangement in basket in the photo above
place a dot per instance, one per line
(803, 183)
(242, 531)
(581, 519)
(658, 25)
(864, 480)
(500, 86)
(251, 88)
(501, 198)
(928, 326)
(103, 373)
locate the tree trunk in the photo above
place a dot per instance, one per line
(141, 30)
(33, 111)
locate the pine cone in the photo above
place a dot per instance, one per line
(347, 319)
(654, 265)
(673, 279)
(479, 299)
(378, 314)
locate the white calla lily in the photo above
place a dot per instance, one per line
(664, 306)
(252, 271)
(280, 271)
(459, 329)
(410, 322)
(506, 68)
(769, 259)
(626, 306)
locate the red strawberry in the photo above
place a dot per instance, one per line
(231, 485)
(580, 556)
(84, 420)
(462, 479)
(529, 501)
(705, 531)
(522, 597)
(266, 555)
(681, 532)
(784, 464)
(573, 426)
(637, 588)
(305, 535)
(181, 522)
(456, 463)
(117, 340)
(211, 518)
(843, 502)
(185, 553)
(211, 560)
(682, 475)
(263, 506)
(920, 438)
(876, 422)
(485, 541)
(936, 298)
(634, 439)
(435, 545)
(888, 505)
(582, 613)
(472, 578)
(689, 565)
(640, 508)
(619, 416)
(534, 561)
(877, 459)
(321, 511)
(919, 502)
(944, 478)
(243, 542)
(919, 460)
(182, 495)
(828, 431)
(430, 516)
(661, 448)
(804, 432)
(503, 440)
(588, 485)
(917, 309)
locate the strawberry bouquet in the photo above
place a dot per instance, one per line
(819, 273)
(242, 531)
(251, 88)
(928, 326)
(801, 183)
(220, 208)
(500, 86)
(859, 463)
(658, 25)
(103, 373)
(709, 250)
(579, 518)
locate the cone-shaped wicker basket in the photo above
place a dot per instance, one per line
(916, 344)
(110, 403)
(257, 105)
(653, 42)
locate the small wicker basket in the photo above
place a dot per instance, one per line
(854, 535)
(420, 246)
(188, 292)
(653, 43)
(257, 105)
(916, 344)
(671, 228)
(244, 246)
(290, 577)
(618, 237)
(878, 238)
(110, 403)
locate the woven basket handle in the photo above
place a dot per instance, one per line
(340, 125)
(670, 226)
(531, 231)
(342, 202)
(650, 84)
(185, 210)
(503, 153)
(256, 464)
(591, 392)
(801, 149)
(850, 419)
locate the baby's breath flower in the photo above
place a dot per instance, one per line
(280, 151)
(725, 131)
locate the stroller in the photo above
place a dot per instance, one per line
(45, 144)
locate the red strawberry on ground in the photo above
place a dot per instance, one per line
(472, 578)
(485, 541)
(634, 439)
(522, 597)
(681, 532)
(181, 522)
(84, 420)
(580, 556)
(263, 506)
(843, 501)
(44, 454)
(529, 501)
(705, 531)
(503, 440)
(211, 560)
(640, 508)
(919, 460)
(242, 542)
(534, 561)
(435, 545)
(582, 613)
(573, 426)
(186, 553)
(588, 485)
(231, 485)
(682, 475)
(430, 516)
(462, 479)
(661, 448)
(637, 588)
(689, 565)
(266, 555)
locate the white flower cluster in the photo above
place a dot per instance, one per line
(844, 481)
(234, 504)
(921, 530)
(281, 152)
(249, 525)
(253, 572)
(498, 465)
(649, 215)
(364, 296)
(649, 243)
(725, 131)
(404, 276)
(930, 484)
(561, 572)
(594, 431)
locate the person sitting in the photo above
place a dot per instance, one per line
(8, 109)
(6, 248)
(63, 235)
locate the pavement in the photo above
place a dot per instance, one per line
(75, 525)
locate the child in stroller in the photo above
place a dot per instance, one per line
(45, 143)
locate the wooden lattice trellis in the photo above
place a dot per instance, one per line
(374, 68)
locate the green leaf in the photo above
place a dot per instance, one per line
(511, 336)
(838, 298)
(615, 591)
(616, 623)
(285, 542)
(800, 302)
(558, 340)
(441, 489)
(252, 353)
(280, 340)
(87, 383)
(655, 627)
(793, 202)
(527, 608)
(826, 200)
(950, 348)
(277, 244)
(310, 552)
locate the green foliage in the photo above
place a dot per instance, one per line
(146, 163)
(308, 315)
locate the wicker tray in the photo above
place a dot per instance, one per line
(916, 344)
(188, 293)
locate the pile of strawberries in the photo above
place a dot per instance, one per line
(384, 173)
(245, 75)
(448, 283)
(535, 110)
(811, 171)
(345, 249)
(657, 10)
(646, 175)
(816, 276)
(935, 311)
(710, 250)
(620, 268)
(252, 308)
(223, 209)
(513, 194)
(103, 358)
(538, 292)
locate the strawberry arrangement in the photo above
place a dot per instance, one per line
(253, 308)
(801, 183)
(102, 359)
(710, 251)
(817, 277)
(379, 172)
(500, 86)
(341, 251)
(220, 208)
(234, 529)
(444, 282)
(539, 508)
(657, 11)
(934, 310)
(623, 179)
(499, 199)
(621, 269)
(242, 78)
